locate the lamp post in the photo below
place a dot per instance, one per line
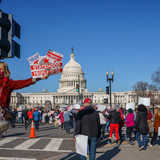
(110, 79)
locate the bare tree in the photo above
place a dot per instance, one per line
(156, 78)
(143, 89)
(139, 89)
(153, 93)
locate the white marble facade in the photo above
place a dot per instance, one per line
(66, 94)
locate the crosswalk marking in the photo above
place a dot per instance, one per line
(53, 145)
(14, 158)
(7, 140)
(27, 144)
(37, 150)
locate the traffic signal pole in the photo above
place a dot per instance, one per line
(8, 29)
(110, 79)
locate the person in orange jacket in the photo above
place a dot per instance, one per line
(156, 124)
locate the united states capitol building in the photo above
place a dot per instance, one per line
(67, 94)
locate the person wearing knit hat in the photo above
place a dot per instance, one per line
(141, 126)
(88, 123)
(130, 124)
(130, 110)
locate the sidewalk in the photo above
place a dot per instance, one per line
(124, 151)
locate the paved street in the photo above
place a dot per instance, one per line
(50, 142)
(54, 144)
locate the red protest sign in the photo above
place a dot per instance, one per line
(51, 63)
(39, 73)
(54, 55)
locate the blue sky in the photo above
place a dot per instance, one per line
(118, 35)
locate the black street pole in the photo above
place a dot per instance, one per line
(110, 93)
(110, 79)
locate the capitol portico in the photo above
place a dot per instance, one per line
(67, 94)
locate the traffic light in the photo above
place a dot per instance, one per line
(81, 96)
(107, 90)
(106, 100)
(8, 29)
(77, 87)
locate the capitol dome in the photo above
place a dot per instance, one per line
(72, 65)
(71, 76)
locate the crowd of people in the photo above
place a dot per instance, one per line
(97, 124)
(89, 121)
(111, 120)
(57, 117)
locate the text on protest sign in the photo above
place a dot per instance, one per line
(51, 63)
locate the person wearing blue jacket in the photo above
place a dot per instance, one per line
(36, 117)
(67, 115)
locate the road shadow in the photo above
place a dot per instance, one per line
(70, 156)
(14, 135)
(109, 154)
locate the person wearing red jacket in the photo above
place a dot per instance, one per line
(7, 85)
(30, 113)
(149, 117)
(61, 117)
(121, 124)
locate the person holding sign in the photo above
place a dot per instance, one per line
(7, 85)
(156, 126)
(88, 124)
(141, 126)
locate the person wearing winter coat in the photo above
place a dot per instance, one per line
(102, 123)
(156, 124)
(74, 119)
(36, 117)
(121, 111)
(20, 116)
(14, 111)
(141, 126)
(67, 115)
(115, 120)
(25, 114)
(30, 113)
(149, 117)
(130, 124)
(61, 117)
(7, 85)
(107, 121)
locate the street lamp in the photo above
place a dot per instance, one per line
(110, 79)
